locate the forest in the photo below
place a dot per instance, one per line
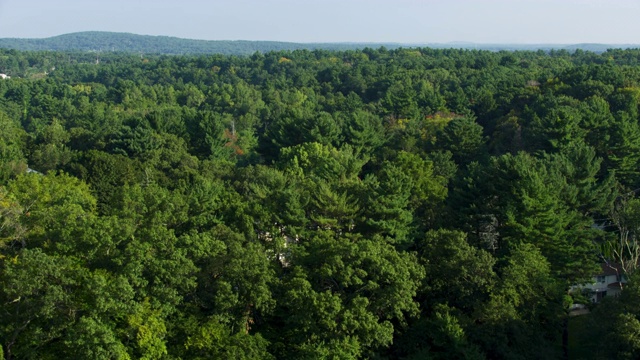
(409, 203)
(105, 42)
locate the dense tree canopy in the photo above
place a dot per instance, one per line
(376, 203)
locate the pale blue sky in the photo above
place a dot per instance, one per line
(407, 21)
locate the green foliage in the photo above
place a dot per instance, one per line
(364, 131)
(463, 137)
(89, 41)
(50, 150)
(525, 199)
(106, 175)
(12, 147)
(449, 339)
(346, 291)
(149, 331)
(459, 274)
(213, 340)
(90, 338)
(387, 205)
(376, 203)
(616, 333)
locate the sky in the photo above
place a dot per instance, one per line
(402, 21)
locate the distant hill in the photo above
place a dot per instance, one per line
(97, 41)
(598, 47)
(125, 42)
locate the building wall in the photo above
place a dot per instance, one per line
(600, 286)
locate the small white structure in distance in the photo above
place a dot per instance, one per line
(608, 282)
(5, 76)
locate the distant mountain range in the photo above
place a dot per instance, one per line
(98, 41)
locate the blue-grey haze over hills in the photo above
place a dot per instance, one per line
(132, 43)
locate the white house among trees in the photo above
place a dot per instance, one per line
(608, 282)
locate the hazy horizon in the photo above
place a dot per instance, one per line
(328, 42)
(372, 21)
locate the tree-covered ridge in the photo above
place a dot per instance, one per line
(397, 204)
(101, 41)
